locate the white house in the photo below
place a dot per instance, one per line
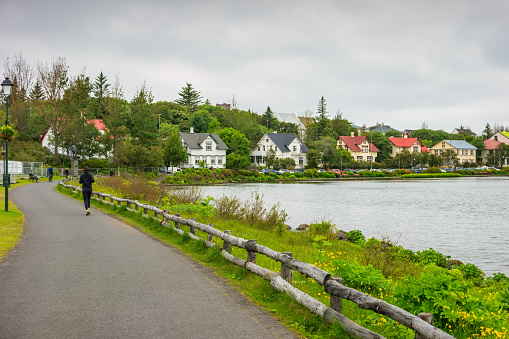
(206, 148)
(286, 145)
(292, 118)
(47, 137)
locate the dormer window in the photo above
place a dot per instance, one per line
(208, 146)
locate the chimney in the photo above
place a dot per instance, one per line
(405, 136)
(352, 134)
(191, 130)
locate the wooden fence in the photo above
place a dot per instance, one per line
(421, 324)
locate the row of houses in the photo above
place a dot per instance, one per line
(207, 149)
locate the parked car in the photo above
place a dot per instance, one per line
(417, 169)
(265, 171)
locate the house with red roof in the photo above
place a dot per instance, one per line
(491, 146)
(412, 145)
(46, 138)
(359, 147)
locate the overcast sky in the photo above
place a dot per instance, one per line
(403, 63)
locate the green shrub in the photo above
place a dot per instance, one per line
(324, 228)
(356, 237)
(371, 174)
(431, 256)
(400, 172)
(433, 170)
(473, 273)
(363, 278)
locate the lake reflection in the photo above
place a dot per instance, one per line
(466, 218)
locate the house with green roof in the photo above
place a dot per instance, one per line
(465, 152)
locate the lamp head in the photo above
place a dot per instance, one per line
(7, 87)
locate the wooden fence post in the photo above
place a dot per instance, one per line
(145, 210)
(177, 224)
(336, 303)
(119, 203)
(286, 272)
(427, 317)
(192, 229)
(128, 203)
(165, 219)
(226, 245)
(210, 237)
(136, 205)
(251, 253)
(112, 200)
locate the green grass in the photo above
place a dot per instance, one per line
(11, 222)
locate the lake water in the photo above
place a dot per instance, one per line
(466, 218)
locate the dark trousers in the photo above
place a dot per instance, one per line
(86, 198)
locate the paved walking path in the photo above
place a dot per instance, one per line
(78, 276)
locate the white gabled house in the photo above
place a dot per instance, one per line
(206, 148)
(286, 145)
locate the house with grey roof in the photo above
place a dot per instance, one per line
(203, 150)
(292, 118)
(286, 145)
(382, 128)
(465, 152)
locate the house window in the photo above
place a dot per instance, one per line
(441, 151)
(220, 161)
(436, 152)
(275, 148)
(370, 158)
(197, 161)
(301, 161)
(471, 152)
(208, 146)
(443, 144)
(213, 161)
(258, 148)
(270, 146)
(416, 149)
(359, 158)
(295, 148)
(346, 149)
(364, 149)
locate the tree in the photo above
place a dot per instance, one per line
(236, 162)
(53, 79)
(201, 121)
(394, 133)
(449, 156)
(288, 127)
(322, 118)
(100, 90)
(382, 143)
(189, 98)
(487, 132)
(174, 152)
(269, 120)
(270, 158)
(143, 125)
(235, 140)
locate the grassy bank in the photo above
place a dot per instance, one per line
(463, 301)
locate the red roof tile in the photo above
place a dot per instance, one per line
(352, 143)
(491, 144)
(403, 142)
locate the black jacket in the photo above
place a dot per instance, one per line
(86, 180)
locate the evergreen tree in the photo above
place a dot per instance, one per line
(322, 119)
(189, 97)
(487, 132)
(100, 90)
(37, 93)
(269, 120)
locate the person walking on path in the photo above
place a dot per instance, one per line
(86, 180)
(50, 174)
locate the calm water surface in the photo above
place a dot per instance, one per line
(466, 218)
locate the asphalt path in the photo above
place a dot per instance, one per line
(77, 276)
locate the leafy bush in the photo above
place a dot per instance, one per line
(363, 278)
(95, 163)
(431, 256)
(371, 174)
(431, 175)
(473, 273)
(433, 170)
(400, 172)
(356, 237)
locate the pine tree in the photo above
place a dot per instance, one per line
(100, 90)
(269, 120)
(322, 119)
(174, 151)
(37, 93)
(189, 97)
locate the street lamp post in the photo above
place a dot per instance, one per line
(6, 90)
(371, 147)
(159, 125)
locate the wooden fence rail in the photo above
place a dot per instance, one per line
(282, 281)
